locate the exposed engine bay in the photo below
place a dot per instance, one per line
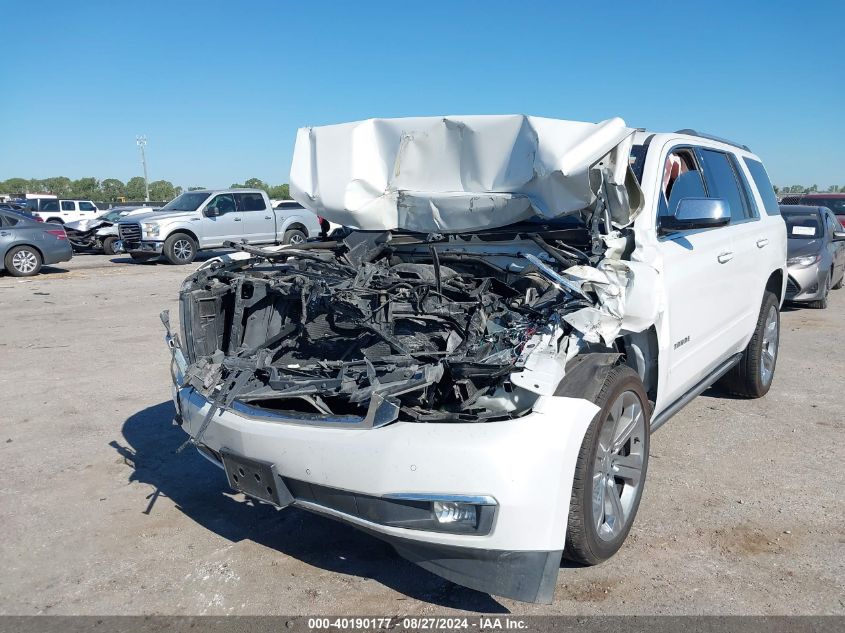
(381, 326)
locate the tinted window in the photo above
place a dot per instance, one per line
(7, 220)
(68, 205)
(747, 191)
(722, 183)
(802, 225)
(834, 204)
(764, 185)
(832, 224)
(50, 205)
(87, 206)
(252, 201)
(224, 203)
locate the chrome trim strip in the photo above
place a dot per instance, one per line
(479, 500)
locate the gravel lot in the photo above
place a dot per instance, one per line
(742, 514)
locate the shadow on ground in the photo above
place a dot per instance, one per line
(196, 487)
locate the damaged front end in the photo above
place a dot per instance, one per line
(431, 387)
(383, 327)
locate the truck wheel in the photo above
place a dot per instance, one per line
(108, 245)
(752, 376)
(180, 249)
(23, 261)
(611, 469)
(821, 304)
(294, 237)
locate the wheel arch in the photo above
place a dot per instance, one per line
(296, 226)
(775, 284)
(187, 232)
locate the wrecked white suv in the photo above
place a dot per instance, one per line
(474, 373)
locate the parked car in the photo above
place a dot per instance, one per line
(20, 210)
(101, 233)
(198, 220)
(25, 245)
(62, 211)
(815, 254)
(474, 374)
(833, 201)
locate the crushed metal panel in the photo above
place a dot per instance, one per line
(456, 173)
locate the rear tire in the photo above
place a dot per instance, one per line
(108, 245)
(23, 261)
(180, 249)
(752, 376)
(294, 237)
(611, 470)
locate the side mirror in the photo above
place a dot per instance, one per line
(697, 213)
(211, 212)
(839, 236)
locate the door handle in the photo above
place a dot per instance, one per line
(237, 219)
(268, 217)
(762, 242)
(3, 233)
(725, 257)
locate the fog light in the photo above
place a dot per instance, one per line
(453, 512)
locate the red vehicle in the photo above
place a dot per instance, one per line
(833, 201)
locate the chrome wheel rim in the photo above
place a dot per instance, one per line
(24, 261)
(618, 466)
(297, 239)
(182, 249)
(770, 346)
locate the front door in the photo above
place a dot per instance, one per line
(698, 267)
(226, 225)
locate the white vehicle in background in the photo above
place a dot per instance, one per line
(474, 375)
(206, 219)
(100, 233)
(63, 211)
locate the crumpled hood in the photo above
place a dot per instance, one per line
(459, 173)
(799, 248)
(85, 225)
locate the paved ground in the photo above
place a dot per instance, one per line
(742, 514)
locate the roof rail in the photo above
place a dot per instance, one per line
(691, 132)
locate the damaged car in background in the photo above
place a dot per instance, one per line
(100, 233)
(473, 372)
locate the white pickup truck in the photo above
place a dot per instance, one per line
(475, 374)
(206, 219)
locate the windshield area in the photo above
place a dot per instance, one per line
(803, 226)
(190, 201)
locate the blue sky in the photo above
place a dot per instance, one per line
(219, 88)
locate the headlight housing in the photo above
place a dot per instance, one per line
(803, 261)
(150, 229)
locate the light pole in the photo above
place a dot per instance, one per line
(142, 142)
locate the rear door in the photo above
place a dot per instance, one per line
(7, 234)
(227, 225)
(699, 270)
(69, 213)
(837, 249)
(258, 220)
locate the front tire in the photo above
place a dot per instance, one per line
(611, 470)
(108, 245)
(821, 304)
(180, 249)
(23, 261)
(752, 376)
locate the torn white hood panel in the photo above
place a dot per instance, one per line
(454, 173)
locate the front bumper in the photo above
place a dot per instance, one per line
(142, 248)
(805, 283)
(526, 466)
